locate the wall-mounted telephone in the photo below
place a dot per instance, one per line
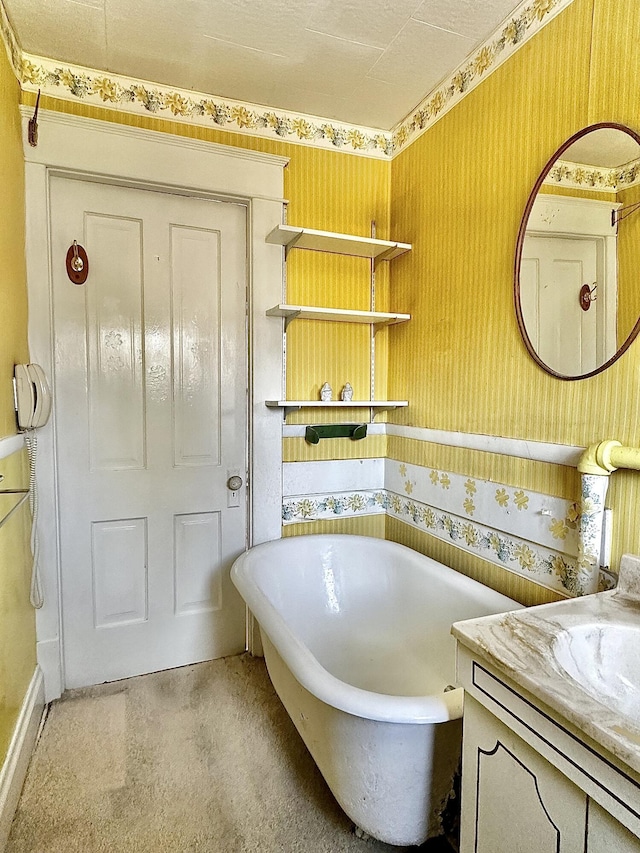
(32, 396)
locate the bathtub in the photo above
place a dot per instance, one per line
(356, 637)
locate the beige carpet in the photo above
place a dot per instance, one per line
(202, 758)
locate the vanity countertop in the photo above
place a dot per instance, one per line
(524, 644)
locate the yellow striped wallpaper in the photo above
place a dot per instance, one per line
(578, 192)
(515, 586)
(628, 253)
(358, 525)
(17, 623)
(458, 194)
(13, 276)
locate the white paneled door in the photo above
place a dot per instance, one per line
(554, 268)
(151, 414)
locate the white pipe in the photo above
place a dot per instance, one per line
(596, 464)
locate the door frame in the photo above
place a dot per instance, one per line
(75, 147)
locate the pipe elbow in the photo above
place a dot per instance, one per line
(600, 459)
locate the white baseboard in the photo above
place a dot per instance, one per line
(49, 661)
(14, 769)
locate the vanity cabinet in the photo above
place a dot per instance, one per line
(531, 783)
(293, 237)
(517, 800)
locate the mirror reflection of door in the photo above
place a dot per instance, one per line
(554, 269)
(570, 242)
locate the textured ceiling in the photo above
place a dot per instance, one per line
(360, 62)
(607, 147)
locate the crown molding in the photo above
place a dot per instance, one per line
(527, 20)
(125, 94)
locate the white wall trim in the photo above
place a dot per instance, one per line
(14, 769)
(306, 478)
(75, 147)
(53, 118)
(538, 451)
(11, 444)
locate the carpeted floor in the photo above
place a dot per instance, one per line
(202, 758)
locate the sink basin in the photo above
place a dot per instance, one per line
(604, 660)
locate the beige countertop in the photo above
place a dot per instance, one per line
(524, 646)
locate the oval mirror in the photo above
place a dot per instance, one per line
(577, 267)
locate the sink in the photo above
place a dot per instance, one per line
(604, 660)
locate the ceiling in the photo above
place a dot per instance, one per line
(367, 62)
(607, 147)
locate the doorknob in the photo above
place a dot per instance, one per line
(234, 483)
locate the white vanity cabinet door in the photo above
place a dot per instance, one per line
(513, 800)
(606, 835)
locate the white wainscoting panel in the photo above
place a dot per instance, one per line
(14, 769)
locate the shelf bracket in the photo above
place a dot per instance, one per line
(355, 432)
(289, 318)
(291, 244)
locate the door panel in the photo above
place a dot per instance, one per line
(114, 322)
(196, 336)
(554, 268)
(151, 409)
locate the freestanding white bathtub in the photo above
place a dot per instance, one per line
(356, 636)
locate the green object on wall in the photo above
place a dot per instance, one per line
(313, 434)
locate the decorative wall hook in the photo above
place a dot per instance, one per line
(622, 212)
(588, 295)
(77, 263)
(32, 127)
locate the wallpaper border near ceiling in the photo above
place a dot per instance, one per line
(72, 83)
(525, 21)
(579, 176)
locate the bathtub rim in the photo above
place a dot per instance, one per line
(309, 672)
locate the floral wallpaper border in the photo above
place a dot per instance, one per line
(577, 176)
(545, 566)
(549, 521)
(526, 21)
(71, 82)
(344, 504)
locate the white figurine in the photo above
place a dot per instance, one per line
(326, 393)
(347, 393)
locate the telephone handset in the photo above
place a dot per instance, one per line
(32, 396)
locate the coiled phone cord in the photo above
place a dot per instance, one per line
(36, 594)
